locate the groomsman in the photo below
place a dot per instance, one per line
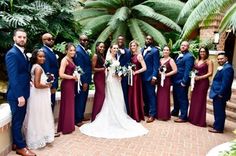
(82, 59)
(181, 82)
(51, 64)
(123, 56)
(221, 91)
(149, 77)
(17, 65)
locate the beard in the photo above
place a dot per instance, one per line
(21, 44)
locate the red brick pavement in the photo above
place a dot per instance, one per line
(164, 139)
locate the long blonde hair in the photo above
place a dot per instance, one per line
(137, 44)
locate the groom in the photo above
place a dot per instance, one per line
(123, 56)
(149, 77)
(17, 65)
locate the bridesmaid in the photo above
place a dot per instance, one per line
(98, 61)
(163, 92)
(204, 67)
(66, 115)
(135, 91)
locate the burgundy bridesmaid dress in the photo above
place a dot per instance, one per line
(66, 123)
(163, 96)
(197, 113)
(99, 96)
(135, 94)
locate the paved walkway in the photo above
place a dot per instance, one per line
(164, 139)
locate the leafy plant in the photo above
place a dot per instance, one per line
(103, 20)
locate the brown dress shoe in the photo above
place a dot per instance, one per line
(179, 120)
(86, 119)
(79, 124)
(25, 152)
(150, 119)
(212, 130)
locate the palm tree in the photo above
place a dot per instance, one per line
(204, 10)
(107, 19)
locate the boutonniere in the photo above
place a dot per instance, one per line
(57, 56)
(29, 55)
(220, 68)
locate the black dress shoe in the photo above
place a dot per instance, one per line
(212, 130)
(79, 124)
(173, 113)
(57, 134)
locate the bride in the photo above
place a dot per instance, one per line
(113, 121)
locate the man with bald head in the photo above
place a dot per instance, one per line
(181, 82)
(82, 59)
(51, 64)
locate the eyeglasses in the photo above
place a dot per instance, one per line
(85, 40)
(50, 39)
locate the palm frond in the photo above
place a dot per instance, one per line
(229, 20)
(97, 24)
(148, 29)
(121, 30)
(100, 4)
(120, 16)
(166, 7)
(105, 34)
(188, 7)
(146, 11)
(88, 13)
(135, 31)
(203, 10)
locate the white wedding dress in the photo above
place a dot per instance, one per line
(38, 126)
(113, 121)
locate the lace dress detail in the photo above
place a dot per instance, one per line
(38, 125)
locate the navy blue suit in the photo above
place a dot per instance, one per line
(82, 59)
(18, 85)
(152, 61)
(180, 93)
(124, 60)
(51, 66)
(220, 93)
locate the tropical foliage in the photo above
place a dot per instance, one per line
(205, 10)
(37, 17)
(134, 19)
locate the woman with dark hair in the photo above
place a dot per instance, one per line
(39, 123)
(167, 69)
(66, 115)
(203, 68)
(98, 68)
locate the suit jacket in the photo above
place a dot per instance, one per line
(18, 73)
(51, 65)
(82, 59)
(184, 66)
(152, 61)
(222, 82)
(125, 58)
